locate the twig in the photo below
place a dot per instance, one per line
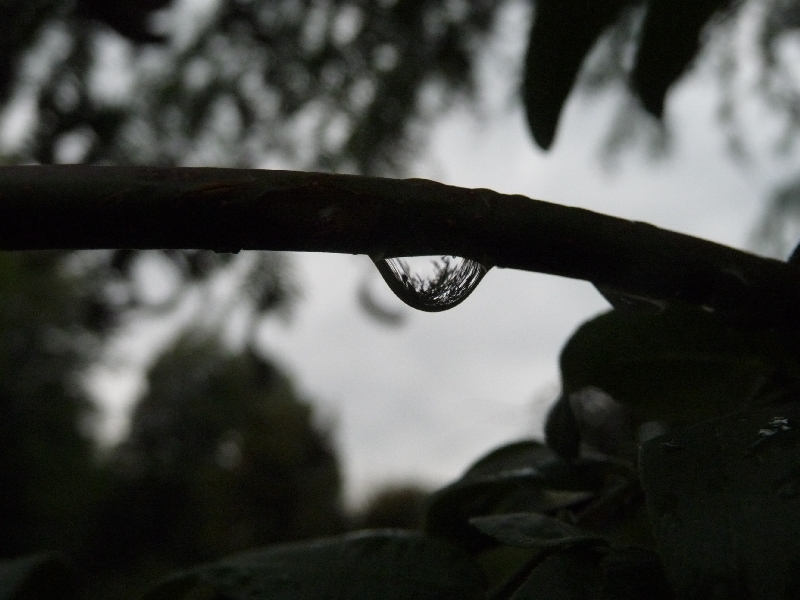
(71, 207)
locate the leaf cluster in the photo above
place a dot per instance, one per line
(564, 33)
(577, 518)
(518, 524)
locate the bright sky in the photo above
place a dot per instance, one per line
(420, 402)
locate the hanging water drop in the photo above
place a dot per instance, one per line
(447, 282)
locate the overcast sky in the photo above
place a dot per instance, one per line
(420, 402)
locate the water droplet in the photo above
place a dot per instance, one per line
(431, 284)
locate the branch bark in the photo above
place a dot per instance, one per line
(74, 207)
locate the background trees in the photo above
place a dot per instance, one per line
(45, 452)
(328, 85)
(222, 456)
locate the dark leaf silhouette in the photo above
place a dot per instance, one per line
(683, 364)
(722, 498)
(519, 477)
(386, 564)
(533, 530)
(563, 33)
(37, 577)
(670, 39)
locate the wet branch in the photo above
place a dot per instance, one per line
(71, 207)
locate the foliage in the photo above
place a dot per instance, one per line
(222, 456)
(381, 564)
(667, 41)
(37, 576)
(530, 521)
(394, 507)
(45, 460)
(341, 85)
(680, 363)
(115, 521)
(526, 549)
(246, 79)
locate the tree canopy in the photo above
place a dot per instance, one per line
(342, 84)
(45, 452)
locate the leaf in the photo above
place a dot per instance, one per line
(683, 364)
(507, 477)
(670, 40)
(561, 431)
(510, 457)
(451, 508)
(723, 498)
(633, 573)
(39, 577)
(562, 576)
(592, 421)
(521, 477)
(536, 531)
(626, 301)
(563, 33)
(588, 572)
(386, 564)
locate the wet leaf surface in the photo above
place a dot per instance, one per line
(536, 531)
(37, 577)
(723, 498)
(386, 564)
(521, 477)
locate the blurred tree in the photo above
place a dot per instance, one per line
(222, 455)
(46, 476)
(394, 507)
(345, 84)
(330, 85)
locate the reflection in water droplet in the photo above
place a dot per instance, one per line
(450, 281)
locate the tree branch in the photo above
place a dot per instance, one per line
(72, 207)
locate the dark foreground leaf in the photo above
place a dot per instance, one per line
(385, 564)
(563, 33)
(532, 530)
(562, 576)
(592, 573)
(682, 364)
(723, 497)
(38, 577)
(521, 477)
(670, 40)
(522, 454)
